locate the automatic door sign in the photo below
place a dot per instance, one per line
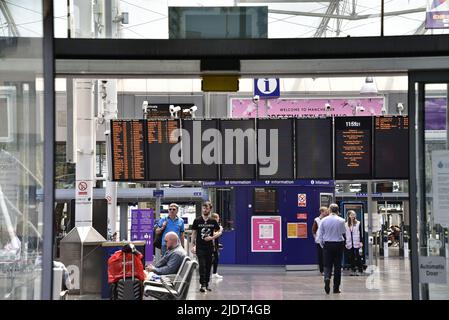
(302, 200)
(432, 270)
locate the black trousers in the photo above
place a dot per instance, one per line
(333, 254)
(215, 255)
(354, 259)
(205, 264)
(320, 257)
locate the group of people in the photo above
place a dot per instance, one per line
(206, 231)
(333, 235)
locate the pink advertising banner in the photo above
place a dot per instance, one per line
(266, 234)
(306, 107)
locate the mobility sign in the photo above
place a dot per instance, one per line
(432, 270)
(142, 223)
(267, 88)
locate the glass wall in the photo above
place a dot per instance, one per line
(21, 150)
(158, 19)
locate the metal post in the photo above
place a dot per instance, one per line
(370, 222)
(123, 221)
(49, 158)
(382, 11)
(158, 201)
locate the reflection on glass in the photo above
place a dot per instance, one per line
(21, 150)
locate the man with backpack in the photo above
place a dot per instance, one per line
(172, 223)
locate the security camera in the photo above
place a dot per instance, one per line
(193, 110)
(400, 107)
(172, 110)
(145, 105)
(256, 98)
(384, 110)
(360, 109)
(327, 107)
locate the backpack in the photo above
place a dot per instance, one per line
(157, 242)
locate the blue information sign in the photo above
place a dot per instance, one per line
(267, 88)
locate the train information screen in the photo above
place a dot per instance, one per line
(353, 148)
(391, 148)
(276, 150)
(200, 150)
(238, 150)
(128, 150)
(160, 141)
(265, 200)
(314, 159)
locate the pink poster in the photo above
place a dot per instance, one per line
(266, 234)
(307, 107)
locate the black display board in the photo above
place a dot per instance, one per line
(391, 148)
(128, 150)
(265, 201)
(314, 154)
(353, 156)
(235, 170)
(194, 167)
(160, 141)
(281, 159)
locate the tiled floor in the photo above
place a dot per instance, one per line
(390, 280)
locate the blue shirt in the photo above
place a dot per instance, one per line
(177, 226)
(331, 229)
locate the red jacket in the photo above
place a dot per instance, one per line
(115, 266)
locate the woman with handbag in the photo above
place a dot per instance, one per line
(217, 248)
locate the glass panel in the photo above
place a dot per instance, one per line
(435, 218)
(281, 19)
(21, 150)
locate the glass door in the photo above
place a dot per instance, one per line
(429, 181)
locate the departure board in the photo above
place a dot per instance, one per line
(265, 200)
(160, 141)
(162, 111)
(128, 150)
(238, 150)
(353, 156)
(276, 150)
(391, 148)
(314, 148)
(200, 150)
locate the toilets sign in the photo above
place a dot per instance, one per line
(267, 88)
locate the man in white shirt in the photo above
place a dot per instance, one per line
(330, 236)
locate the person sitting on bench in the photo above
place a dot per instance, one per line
(171, 260)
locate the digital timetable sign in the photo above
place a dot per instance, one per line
(201, 142)
(128, 150)
(353, 154)
(314, 156)
(391, 148)
(160, 140)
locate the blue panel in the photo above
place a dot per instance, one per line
(228, 254)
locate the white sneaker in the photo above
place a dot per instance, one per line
(217, 276)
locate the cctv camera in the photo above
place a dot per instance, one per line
(327, 107)
(144, 104)
(177, 108)
(384, 110)
(360, 109)
(400, 107)
(256, 98)
(193, 108)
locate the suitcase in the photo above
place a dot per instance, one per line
(128, 288)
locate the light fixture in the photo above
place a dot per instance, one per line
(369, 87)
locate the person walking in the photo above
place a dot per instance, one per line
(354, 242)
(203, 237)
(331, 237)
(324, 212)
(172, 223)
(216, 253)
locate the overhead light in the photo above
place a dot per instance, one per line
(369, 87)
